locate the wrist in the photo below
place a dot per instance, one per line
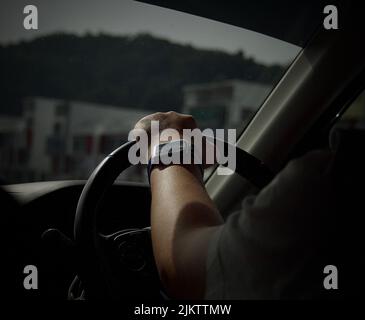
(160, 171)
(176, 153)
(157, 141)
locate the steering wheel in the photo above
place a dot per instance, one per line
(121, 265)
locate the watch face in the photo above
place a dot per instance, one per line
(172, 147)
(170, 152)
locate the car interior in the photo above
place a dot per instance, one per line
(91, 238)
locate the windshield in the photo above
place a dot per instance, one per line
(73, 89)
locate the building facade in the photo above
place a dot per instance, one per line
(224, 104)
(57, 139)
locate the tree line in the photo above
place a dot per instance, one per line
(139, 71)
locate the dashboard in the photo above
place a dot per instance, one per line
(52, 205)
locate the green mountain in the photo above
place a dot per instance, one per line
(140, 71)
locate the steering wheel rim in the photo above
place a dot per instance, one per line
(93, 271)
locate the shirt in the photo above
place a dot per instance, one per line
(263, 249)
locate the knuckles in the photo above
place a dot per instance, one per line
(170, 119)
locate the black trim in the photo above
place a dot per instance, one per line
(291, 21)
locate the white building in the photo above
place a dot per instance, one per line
(224, 104)
(67, 139)
(12, 146)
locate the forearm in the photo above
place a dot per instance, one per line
(183, 219)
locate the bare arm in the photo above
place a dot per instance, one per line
(183, 218)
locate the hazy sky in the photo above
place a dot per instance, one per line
(129, 17)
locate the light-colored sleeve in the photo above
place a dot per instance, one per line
(259, 250)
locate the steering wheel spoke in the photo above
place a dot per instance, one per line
(130, 249)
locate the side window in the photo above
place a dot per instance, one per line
(354, 117)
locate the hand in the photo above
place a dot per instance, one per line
(179, 122)
(167, 120)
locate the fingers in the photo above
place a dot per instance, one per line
(167, 120)
(171, 126)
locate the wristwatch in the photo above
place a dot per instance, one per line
(174, 152)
